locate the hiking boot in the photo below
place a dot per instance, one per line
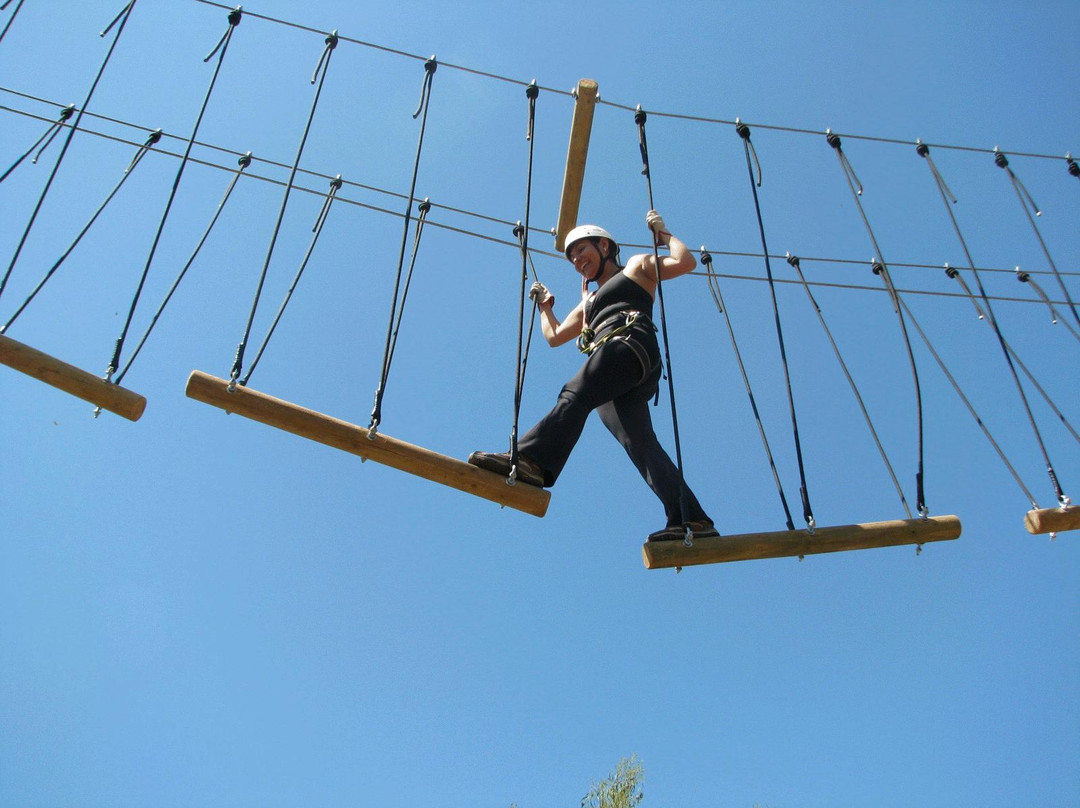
(499, 462)
(702, 529)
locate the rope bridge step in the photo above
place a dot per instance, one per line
(356, 440)
(749, 546)
(1053, 520)
(70, 379)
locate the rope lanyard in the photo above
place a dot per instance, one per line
(947, 197)
(793, 260)
(140, 152)
(321, 69)
(523, 344)
(718, 298)
(639, 118)
(122, 18)
(953, 273)
(47, 139)
(220, 49)
(335, 184)
(748, 147)
(882, 271)
(243, 163)
(1029, 206)
(396, 311)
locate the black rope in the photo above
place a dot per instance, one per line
(522, 232)
(946, 196)
(880, 269)
(47, 138)
(142, 150)
(1028, 204)
(793, 260)
(430, 66)
(122, 18)
(718, 298)
(243, 163)
(320, 220)
(220, 49)
(639, 118)
(744, 132)
(324, 66)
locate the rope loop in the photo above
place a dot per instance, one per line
(234, 20)
(430, 66)
(744, 133)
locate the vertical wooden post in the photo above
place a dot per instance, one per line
(576, 154)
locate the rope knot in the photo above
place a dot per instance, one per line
(1074, 169)
(877, 267)
(235, 15)
(922, 149)
(706, 257)
(1000, 160)
(834, 140)
(793, 260)
(532, 91)
(742, 129)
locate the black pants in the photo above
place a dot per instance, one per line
(612, 382)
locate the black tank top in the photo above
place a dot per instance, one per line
(620, 294)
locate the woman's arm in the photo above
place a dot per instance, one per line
(559, 333)
(679, 261)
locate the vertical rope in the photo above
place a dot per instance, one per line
(946, 196)
(319, 76)
(154, 137)
(1028, 204)
(522, 232)
(882, 271)
(220, 49)
(639, 118)
(320, 220)
(718, 299)
(793, 260)
(744, 132)
(122, 18)
(11, 19)
(243, 163)
(430, 67)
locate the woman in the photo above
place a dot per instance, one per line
(614, 327)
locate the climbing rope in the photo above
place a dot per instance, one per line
(319, 77)
(46, 139)
(220, 49)
(1029, 206)
(947, 197)
(121, 18)
(793, 260)
(639, 118)
(523, 344)
(744, 132)
(139, 154)
(718, 299)
(243, 163)
(396, 309)
(316, 231)
(880, 269)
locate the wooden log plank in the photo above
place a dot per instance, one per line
(576, 154)
(357, 440)
(71, 379)
(750, 546)
(1053, 520)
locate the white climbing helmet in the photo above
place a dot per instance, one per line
(590, 231)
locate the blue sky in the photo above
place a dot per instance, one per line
(203, 610)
